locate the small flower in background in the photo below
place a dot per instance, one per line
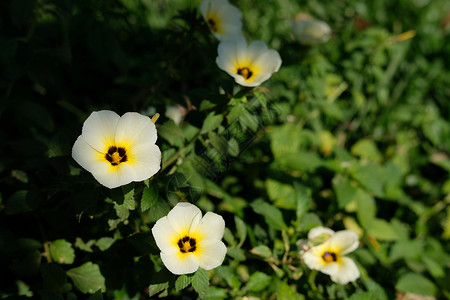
(328, 256)
(187, 241)
(176, 113)
(118, 150)
(223, 18)
(309, 31)
(249, 65)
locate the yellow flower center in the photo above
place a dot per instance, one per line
(214, 23)
(245, 72)
(116, 155)
(187, 244)
(328, 256)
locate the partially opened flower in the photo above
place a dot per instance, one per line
(187, 241)
(249, 65)
(118, 150)
(223, 18)
(328, 257)
(309, 31)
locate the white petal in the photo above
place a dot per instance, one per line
(99, 129)
(211, 227)
(181, 263)
(89, 158)
(256, 80)
(204, 7)
(312, 260)
(228, 57)
(134, 128)
(347, 271)
(268, 62)
(184, 218)
(210, 254)
(255, 49)
(318, 231)
(116, 176)
(344, 241)
(165, 237)
(145, 159)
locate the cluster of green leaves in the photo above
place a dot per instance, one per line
(350, 134)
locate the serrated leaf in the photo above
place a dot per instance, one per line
(182, 282)
(211, 122)
(241, 229)
(154, 289)
(149, 197)
(381, 229)
(80, 244)
(288, 292)
(200, 282)
(416, 283)
(367, 149)
(262, 250)
(258, 281)
(271, 214)
(303, 199)
(62, 252)
(87, 278)
(104, 243)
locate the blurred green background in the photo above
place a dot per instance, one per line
(353, 133)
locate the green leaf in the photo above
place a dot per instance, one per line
(288, 292)
(154, 289)
(62, 252)
(302, 161)
(182, 282)
(200, 282)
(409, 249)
(87, 278)
(417, 284)
(171, 133)
(241, 229)
(258, 281)
(303, 198)
(262, 250)
(149, 197)
(211, 122)
(215, 293)
(366, 208)
(381, 229)
(104, 243)
(374, 177)
(345, 191)
(281, 194)
(271, 214)
(236, 253)
(371, 295)
(367, 149)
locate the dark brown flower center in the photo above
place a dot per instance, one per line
(116, 155)
(187, 244)
(245, 72)
(213, 25)
(329, 256)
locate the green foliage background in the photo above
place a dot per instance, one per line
(353, 133)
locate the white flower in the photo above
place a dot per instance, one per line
(118, 150)
(187, 241)
(328, 257)
(309, 31)
(176, 113)
(249, 65)
(223, 18)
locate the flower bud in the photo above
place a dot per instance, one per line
(309, 31)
